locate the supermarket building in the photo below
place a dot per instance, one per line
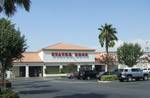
(57, 60)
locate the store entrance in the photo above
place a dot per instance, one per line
(35, 71)
(86, 67)
(22, 71)
(100, 68)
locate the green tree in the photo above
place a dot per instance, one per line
(12, 45)
(147, 58)
(108, 60)
(128, 54)
(9, 7)
(107, 38)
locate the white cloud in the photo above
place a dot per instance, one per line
(145, 44)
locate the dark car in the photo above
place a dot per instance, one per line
(113, 72)
(102, 73)
(72, 75)
(87, 74)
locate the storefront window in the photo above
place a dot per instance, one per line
(69, 69)
(52, 70)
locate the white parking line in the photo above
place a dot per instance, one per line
(143, 83)
(104, 81)
(71, 82)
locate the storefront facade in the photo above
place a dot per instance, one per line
(56, 60)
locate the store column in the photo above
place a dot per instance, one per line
(60, 68)
(93, 67)
(78, 67)
(44, 68)
(27, 71)
(106, 68)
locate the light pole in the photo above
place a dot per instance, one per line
(147, 46)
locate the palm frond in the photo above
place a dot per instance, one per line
(26, 4)
(107, 35)
(11, 5)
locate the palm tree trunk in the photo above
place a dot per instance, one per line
(107, 50)
(107, 62)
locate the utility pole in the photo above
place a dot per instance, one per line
(147, 47)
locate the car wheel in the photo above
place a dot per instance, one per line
(129, 78)
(121, 80)
(145, 77)
(137, 79)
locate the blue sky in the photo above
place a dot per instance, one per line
(76, 21)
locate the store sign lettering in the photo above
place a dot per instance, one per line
(69, 54)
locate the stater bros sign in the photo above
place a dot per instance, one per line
(69, 54)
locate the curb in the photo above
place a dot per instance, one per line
(104, 81)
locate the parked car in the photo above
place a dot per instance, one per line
(87, 74)
(129, 74)
(101, 74)
(72, 75)
(113, 72)
(146, 70)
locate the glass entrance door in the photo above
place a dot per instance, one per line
(22, 71)
(35, 71)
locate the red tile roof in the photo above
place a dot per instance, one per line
(63, 46)
(30, 57)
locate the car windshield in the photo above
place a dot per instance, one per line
(121, 70)
(125, 70)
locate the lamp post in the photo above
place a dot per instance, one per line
(147, 48)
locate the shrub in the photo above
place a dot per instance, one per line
(7, 83)
(9, 94)
(109, 77)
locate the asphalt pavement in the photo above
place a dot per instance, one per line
(72, 88)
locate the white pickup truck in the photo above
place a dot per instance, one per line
(129, 74)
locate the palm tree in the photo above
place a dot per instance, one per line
(9, 6)
(107, 38)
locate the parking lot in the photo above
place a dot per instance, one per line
(65, 88)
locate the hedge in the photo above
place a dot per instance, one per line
(149, 75)
(9, 94)
(109, 77)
